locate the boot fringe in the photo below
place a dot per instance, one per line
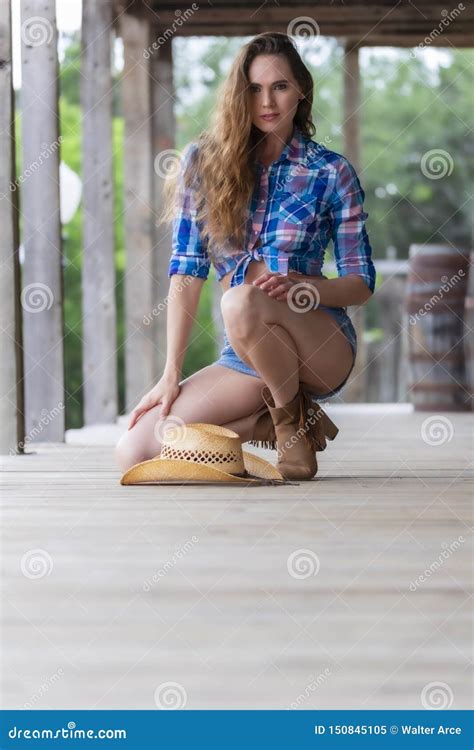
(268, 444)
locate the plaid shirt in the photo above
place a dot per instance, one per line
(306, 198)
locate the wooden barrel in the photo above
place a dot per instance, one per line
(436, 291)
(469, 330)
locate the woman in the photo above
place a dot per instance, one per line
(273, 200)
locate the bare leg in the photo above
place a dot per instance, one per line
(245, 427)
(285, 346)
(206, 396)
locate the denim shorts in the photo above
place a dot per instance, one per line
(229, 358)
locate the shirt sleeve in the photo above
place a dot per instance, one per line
(189, 251)
(352, 250)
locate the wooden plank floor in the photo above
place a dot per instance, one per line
(136, 587)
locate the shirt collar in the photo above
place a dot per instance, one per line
(294, 150)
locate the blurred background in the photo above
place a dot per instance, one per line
(411, 104)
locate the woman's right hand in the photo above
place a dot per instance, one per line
(165, 392)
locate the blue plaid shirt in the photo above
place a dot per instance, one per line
(306, 198)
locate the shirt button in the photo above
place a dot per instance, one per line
(262, 201)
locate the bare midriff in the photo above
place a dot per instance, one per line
(255, 268)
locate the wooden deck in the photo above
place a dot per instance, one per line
(142, 586)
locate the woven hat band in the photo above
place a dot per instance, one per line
(229, 461)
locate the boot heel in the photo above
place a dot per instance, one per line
(330, 429)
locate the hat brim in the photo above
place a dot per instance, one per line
(177, 471)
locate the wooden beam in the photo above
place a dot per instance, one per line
(403, 21)
(163, 125)
(98, 266)
(11, 370)
(138, 158)
(42, 293)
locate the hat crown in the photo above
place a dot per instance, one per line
(207, 444)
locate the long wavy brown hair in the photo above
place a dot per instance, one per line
(222, 175)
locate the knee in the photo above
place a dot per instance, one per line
(239, 305)
(129, 452)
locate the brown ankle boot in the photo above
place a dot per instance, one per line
(301, 428)
(264, 431)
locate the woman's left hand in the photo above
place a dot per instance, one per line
(277, 285)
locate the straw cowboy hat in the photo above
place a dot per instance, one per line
(199, 453)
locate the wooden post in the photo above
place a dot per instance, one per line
(11, 370)
(138, 157)
(217, 314)
(163, 127)
(356, 385)
(351, 125)
(42, 291)
(98, 266)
